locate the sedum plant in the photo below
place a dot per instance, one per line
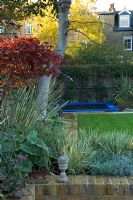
(118, 165)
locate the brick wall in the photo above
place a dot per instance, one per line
(84, 188)
(87, 188)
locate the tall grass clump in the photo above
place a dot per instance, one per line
(80, 150)
(114, 155)
(116, 142)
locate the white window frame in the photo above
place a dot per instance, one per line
(125, 17)
(128, 38)
(124, 10)
(30, 29)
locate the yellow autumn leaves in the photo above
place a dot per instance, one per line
(84, 26)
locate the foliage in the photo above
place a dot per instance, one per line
(53, 134)
(23, 134)
(54, 97)
(77, 70)
(80, 150)
(44, 28)
(21, 110)
(102, 54)
(111, 154)
(83, 26)
(116, 142)
(98, 60)
(100, 154)
(124, 91)
(17, 10)
(118, 165)
(35, 148)
(14, 11)
(25, 59)
(21, 156)
(13, 168)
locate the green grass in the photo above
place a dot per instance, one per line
(106, 122)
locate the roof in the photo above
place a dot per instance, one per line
(124, 11)
(116, 12)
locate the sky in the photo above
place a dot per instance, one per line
(103, 5)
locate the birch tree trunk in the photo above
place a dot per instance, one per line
(43, 86)
(63, 23)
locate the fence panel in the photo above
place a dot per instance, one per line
(91, 89)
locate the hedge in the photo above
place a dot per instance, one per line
(115, 70)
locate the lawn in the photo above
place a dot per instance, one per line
(106, 122)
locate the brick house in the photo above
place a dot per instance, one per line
(15, 30)
(118, 27)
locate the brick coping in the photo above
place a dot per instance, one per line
(102, 184)
(88, 179)
(82, 187)
(89, 185)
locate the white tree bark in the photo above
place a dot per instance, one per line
(43, 85)
(63, 23)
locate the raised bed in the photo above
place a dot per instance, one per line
(83, 188)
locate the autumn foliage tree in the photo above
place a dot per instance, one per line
(23, 60)
(19, 9)
(83, 26)
(12, 12)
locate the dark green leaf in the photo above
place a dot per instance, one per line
(32, 150)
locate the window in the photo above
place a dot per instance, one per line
(28, 29)
(1, 29)
(124, 20)
(127, 41)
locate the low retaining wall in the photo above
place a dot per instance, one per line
(84, 188)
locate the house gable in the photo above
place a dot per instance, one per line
(124, 12)
(120, 34)
(123, 21)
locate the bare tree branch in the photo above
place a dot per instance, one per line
(102, 23)
(78, 31)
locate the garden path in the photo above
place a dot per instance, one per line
(71, 122)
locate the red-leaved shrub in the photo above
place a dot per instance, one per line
(23, 60)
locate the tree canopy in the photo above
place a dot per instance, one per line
(19, 9)
(23, 60)
(83, 27)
